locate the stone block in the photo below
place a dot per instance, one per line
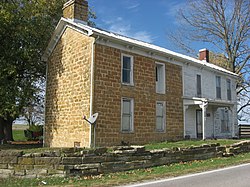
(26, 161)
(9, 160)
(19, 172)
(51, 154)
(43, 167)
(72, 160)
(60, 167)
(55, 171)
(4, 166)
(47, 160)
(93, 159)
(6, 172)
(11, 153)
(87, 166)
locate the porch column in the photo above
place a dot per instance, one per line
(203, 107)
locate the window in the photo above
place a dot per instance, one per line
(127, 115)
(224, 120)
(229, 95)
(127, 69)
(218, 87)
(198, 85)
(160, 78)
(160, 116)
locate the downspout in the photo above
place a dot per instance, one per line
(92, 127)
(92, 130)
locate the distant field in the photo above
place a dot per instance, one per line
(18, 132)
(20, 127)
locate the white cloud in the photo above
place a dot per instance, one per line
(174, 7)
(144, 36)
(122, 27)
(133, 6)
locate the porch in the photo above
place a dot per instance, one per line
(206, 119)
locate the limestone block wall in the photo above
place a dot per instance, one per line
(72, 161)
(109, 90)
(68, 91)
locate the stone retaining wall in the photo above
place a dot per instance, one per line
(73, 161)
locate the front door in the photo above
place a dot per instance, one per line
(199, 124)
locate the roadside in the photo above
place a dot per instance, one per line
(228, 176)
(133, 176)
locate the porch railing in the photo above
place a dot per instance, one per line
(244, 130)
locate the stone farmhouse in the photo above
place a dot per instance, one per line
(143, 93)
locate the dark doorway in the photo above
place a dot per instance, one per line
(199, 129)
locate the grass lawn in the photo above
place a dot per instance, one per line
(133, 176)
(188, 143)
(18, 135)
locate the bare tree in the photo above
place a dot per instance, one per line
(226, 25)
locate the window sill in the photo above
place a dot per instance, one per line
(127, 84)
(161, 93)
(160, 132)
(127, 132)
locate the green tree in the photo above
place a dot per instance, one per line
(25, 29)
(224, 24)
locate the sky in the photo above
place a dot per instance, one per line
(146, 20)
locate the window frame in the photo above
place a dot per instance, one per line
(229, 89)
(198, 86)
(163, 125)
(131, 129)
(218, 87)
(131, 75)
(163, 67)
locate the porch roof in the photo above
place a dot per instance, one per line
(211, 102)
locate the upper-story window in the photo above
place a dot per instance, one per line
(218, 87)
(160, 78)
(198, 85)
(229, 92)
(127, 69)
(127, 121)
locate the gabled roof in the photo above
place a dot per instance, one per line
(91, 31)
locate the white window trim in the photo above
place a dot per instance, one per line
(132, 115)
(164, 78)
(132, 70)
(164, 117)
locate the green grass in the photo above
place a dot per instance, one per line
(189, 143)
(134, 175)
(18, 135)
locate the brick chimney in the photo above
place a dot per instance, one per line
(204, 55)
(77, 10)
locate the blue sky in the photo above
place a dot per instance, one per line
(146, 20)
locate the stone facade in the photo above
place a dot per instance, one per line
(71, 162)
(68, 95)
(68, 91)
(109, 90)
(76, 9)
